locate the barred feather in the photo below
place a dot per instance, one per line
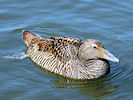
(60, 55)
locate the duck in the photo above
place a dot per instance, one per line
(69, 57)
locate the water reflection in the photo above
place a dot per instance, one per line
(96, 88)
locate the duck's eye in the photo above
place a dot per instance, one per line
(95, 47)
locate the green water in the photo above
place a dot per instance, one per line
(111, 22)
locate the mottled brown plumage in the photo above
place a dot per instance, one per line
(66, 56)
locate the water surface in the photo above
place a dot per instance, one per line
(108, 21)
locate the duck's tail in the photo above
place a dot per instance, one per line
(28, 37)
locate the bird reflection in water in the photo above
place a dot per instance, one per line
(95, 88)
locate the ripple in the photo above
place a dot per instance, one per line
(108, 21)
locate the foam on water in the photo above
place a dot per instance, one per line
(20, 55)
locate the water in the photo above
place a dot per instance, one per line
(108, 21)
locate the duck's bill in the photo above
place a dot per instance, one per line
(111, 57)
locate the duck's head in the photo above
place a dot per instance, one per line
(93, 49)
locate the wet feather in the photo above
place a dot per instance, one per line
(61, 56)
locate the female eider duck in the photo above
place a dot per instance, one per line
(69, 57)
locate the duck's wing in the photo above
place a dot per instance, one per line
(62, 48)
